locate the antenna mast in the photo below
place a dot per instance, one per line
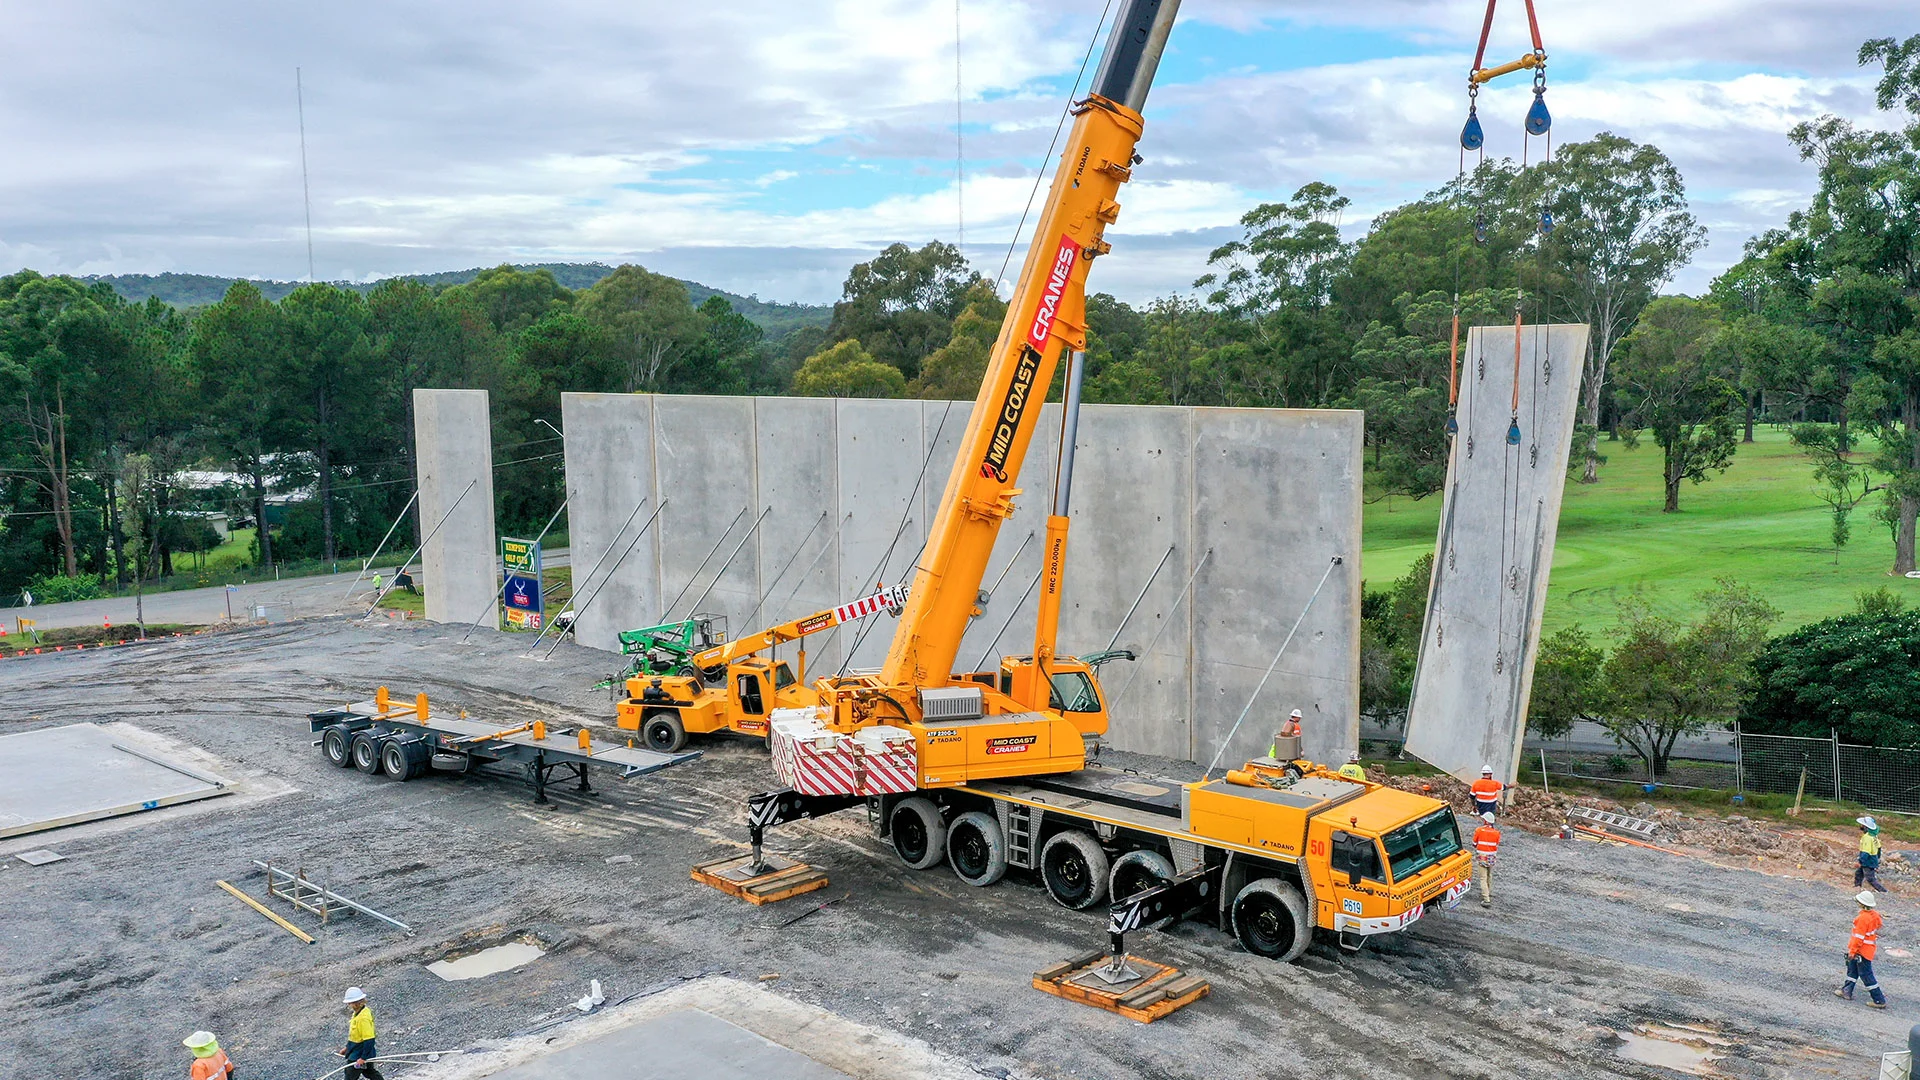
(306, 194)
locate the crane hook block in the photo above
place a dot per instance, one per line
(1539, 120)
(1453, 424)
(1471, 136)
(1513, 433)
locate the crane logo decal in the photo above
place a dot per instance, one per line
(1027, 368)
(1056, 290)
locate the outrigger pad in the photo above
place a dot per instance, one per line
(1144, 991)
(776, 880)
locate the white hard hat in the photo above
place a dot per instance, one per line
(1866, 899)
(1296, 714)
(1487, 817)
(1355, 756)
(202, 1043)
(1867, 822)
(354, 994)
(1486, 770)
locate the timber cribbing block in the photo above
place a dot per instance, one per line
(781, 879)
(1157, 990)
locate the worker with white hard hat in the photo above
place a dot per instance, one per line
(209, 1061)
(1486, 792)
(360, 1051)
(1486, 845)
(1868, 870)
(1353, 770)
(1860, 950)
(1288, 731)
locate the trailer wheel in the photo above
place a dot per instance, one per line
(663, 731)
(919, 836)
(1270, 919)
(1138, 871)
(1074, 867)
(335, 743)
(404, 759)
(976, 848)
(366, 753)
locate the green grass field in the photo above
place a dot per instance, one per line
(1759, 523)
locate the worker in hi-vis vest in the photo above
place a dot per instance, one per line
(1860, 950)
(1353, 770)
(209, 1061)
(360, 1051)
(1868, 870)
(1486, 792)
(1486, 845)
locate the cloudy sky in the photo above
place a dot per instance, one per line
(764, 145)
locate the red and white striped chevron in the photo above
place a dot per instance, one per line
(815, 760)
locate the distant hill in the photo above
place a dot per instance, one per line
(198, 290)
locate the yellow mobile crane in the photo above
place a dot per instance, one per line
(736, 688)
(997, 776)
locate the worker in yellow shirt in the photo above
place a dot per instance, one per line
(209, 1061)
(360, 1051)
(1353, 770)
(1868, 870)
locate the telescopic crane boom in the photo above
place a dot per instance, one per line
(1033, 714)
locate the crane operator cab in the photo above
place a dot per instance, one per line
(1074, 693)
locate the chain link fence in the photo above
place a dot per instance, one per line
(1878, 777)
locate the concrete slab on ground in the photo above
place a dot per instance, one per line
(690, 1042)
(61, 776)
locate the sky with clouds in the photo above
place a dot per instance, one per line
(763, 146)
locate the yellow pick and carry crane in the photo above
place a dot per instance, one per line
(736, 687)
(1272, 851)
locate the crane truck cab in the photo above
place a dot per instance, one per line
(665, 709)
(1074, 694)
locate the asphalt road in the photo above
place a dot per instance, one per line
(109, 958)
(293, 598)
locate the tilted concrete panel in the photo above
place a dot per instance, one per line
(882, 451)
(1132, 502)
(797, 454)
(1497, 527)
(609, 455)
(704, 451)
(1277, 497)
(453, 455)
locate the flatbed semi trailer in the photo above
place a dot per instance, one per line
(382, 737)
(1273, 852)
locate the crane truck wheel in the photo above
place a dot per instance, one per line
(1138, 871)
(919, 836)
(976, 848)
(1270, 919)
(1075, 869)
(663, 731)
(366, 753)
(334, 742)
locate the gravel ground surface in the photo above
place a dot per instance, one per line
(109, 958)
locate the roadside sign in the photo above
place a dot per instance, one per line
(521, 561)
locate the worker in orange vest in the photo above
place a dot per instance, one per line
(1486, 792)
(209, 1061)
(1860, 950)
(1486, 844)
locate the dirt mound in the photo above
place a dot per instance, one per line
(1734, 834)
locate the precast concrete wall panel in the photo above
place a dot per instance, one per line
(1276, 493)
(1495, 548)
(610, 469)
(882, 451)
(704, 451)
(453, 455)
(1277, 498)
(1132, 502)
(798, 454)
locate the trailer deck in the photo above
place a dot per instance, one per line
(402, 742)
